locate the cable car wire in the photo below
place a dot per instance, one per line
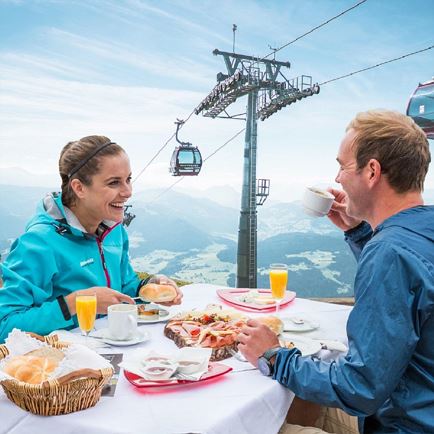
(239, 132)
(321, 84)
(224, 144)
(376, 66)
(315, 28)
(273, 52)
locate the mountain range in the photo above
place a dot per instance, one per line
(194, 238)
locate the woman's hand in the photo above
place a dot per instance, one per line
(105, 297)
(161, 279)
(254, 339)
(338, 212)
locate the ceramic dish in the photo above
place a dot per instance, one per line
(215, 370)
(235, 297)
(104, 335)
(298, 324)
(308, 347)
(159, 315)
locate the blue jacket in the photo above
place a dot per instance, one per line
(53, 258)
(387, 377)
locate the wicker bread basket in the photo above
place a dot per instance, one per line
(75, 391)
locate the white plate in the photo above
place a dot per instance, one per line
(308, 347)
(142, 336)
(290, 324)
(143, 320)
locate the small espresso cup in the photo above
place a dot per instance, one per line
(317, 202)
(122, 321)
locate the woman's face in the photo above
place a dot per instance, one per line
(105, 198)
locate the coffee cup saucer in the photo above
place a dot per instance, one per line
(104, 335)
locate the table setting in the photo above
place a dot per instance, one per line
(235, 384)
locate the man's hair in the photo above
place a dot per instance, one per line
(397, 143)
(74, 154)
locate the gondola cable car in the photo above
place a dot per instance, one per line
(186, 159)
(421, 107)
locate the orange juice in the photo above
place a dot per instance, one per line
(278, 280)
(85, 306)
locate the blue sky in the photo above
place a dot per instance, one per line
(128, 69)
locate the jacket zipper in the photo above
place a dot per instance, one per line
(104, 265)
(99, 241)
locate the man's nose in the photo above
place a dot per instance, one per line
(338, 177)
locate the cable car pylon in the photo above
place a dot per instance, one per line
(268, 91)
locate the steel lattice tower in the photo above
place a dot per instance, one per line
(256, 78)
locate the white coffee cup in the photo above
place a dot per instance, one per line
(122, 321)
(317, 202)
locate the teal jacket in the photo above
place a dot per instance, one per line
(53, 258)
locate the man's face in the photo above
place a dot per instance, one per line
(351, 178)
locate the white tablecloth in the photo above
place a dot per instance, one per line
(242, 401)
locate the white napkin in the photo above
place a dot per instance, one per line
(75, 338)
(134, 362)
(19, 343)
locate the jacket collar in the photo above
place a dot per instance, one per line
(65, 217)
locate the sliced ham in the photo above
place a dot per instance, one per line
(192, 329)
(178, 329)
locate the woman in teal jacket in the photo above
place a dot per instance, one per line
(74, 244)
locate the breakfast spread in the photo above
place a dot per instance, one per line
(213, 328)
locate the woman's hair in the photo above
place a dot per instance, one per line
(81, 160)
(397, 143)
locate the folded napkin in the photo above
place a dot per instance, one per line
(78, 357)
(19, 342)
(76, 338)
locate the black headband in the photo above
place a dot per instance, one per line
(84, 161)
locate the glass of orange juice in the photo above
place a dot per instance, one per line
(85, 306)
(278, 281)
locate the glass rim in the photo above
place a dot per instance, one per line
(279, 266)
(85, 296)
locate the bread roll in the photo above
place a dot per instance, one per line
(273, 323)
(30, 369)
(157, 293)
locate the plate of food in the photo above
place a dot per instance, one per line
(215, 370)
(213, 327)
(254, 300)
(308, 347)
(152, 313)
(298, 324)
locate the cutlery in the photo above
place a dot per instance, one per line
(243, 370)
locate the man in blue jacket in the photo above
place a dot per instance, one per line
(387, 377)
